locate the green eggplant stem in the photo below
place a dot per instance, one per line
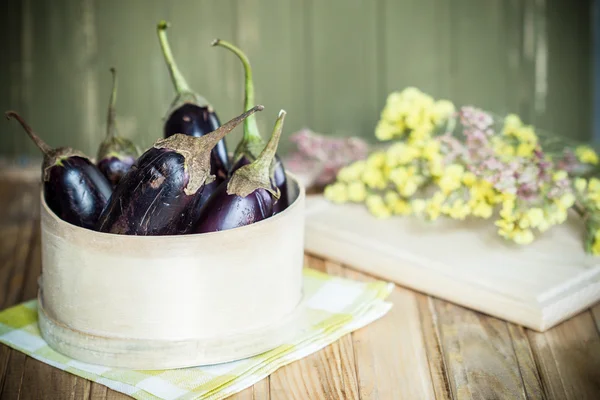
(43, 146)
(181, 85)
(250, 127)
(111, 123)
(266, 156)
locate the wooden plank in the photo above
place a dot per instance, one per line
(145, 89)
(299, 115)
(11, 388)
(271, 58)
(529, 373)
(43, 381)
(515, 284)
(10, 71)
(344, 66)
(479, 354)
(410, 62)
(328, 373)
(390, 355)
(568, 358)
(213, 72)
(431, 339)
(596, 314)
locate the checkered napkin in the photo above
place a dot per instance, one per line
(332, 307)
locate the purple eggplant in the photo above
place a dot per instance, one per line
(248, 196)
(74, 188)
(189, 113)
(158, 194)
(116, 154)
(252, 143)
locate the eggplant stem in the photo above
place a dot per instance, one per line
(181, 85)
(223, 130)
(43, 146)
(111, 123)
(265, 159)
(250, 127)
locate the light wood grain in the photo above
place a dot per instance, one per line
(329, 373)
(479, 354)
(526, 362)
(391, 347)
(433, 346)
(535, 286)
(569, 358)
(55, 383)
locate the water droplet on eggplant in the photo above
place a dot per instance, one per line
(156, 196)
(189, 113)
(116, 154)
(252, 142)
(74, 188)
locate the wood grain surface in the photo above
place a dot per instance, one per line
(424, 348)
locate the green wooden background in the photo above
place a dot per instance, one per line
(329, 63)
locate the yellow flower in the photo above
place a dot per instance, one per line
(526, 134)
(376, 159)
(352, 172)
(596, 245)
(357, 192)
(525, 150)
(511, 123)
(377, 207)
(535, 216)
(402, 207)
(459, 210)
(482, 210)
(418, 205)
(567, 200)
(374, 178)
(469, 179)
(386, 131)
(442, 110)
(580, 184)
(431, 150)
(336, 193)
(410, 187)
(559, 176)
(587, 155)
(524, 236)
(400, 153)
(451, 178)
(433, 207)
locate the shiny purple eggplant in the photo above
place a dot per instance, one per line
(191, 114)
(252, 143)
(159, 193)
(116, 154)
(74, 188)
(248, 196)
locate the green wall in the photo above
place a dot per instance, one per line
(329, 63)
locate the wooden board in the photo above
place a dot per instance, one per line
(536, 286)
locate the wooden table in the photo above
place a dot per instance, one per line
(425, 348)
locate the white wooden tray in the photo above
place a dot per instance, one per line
(536, 286)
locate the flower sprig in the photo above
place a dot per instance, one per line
(440, 161)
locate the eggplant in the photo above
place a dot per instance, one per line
(252, 143)
(74, 188)
(189, 113)
(158, 194)
(116, 154)
(248, 196)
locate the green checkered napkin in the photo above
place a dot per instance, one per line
(332, 307)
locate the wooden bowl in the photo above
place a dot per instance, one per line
(158, 302)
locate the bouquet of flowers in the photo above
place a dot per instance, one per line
(466, 162)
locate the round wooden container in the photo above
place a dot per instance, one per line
(158, 302)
